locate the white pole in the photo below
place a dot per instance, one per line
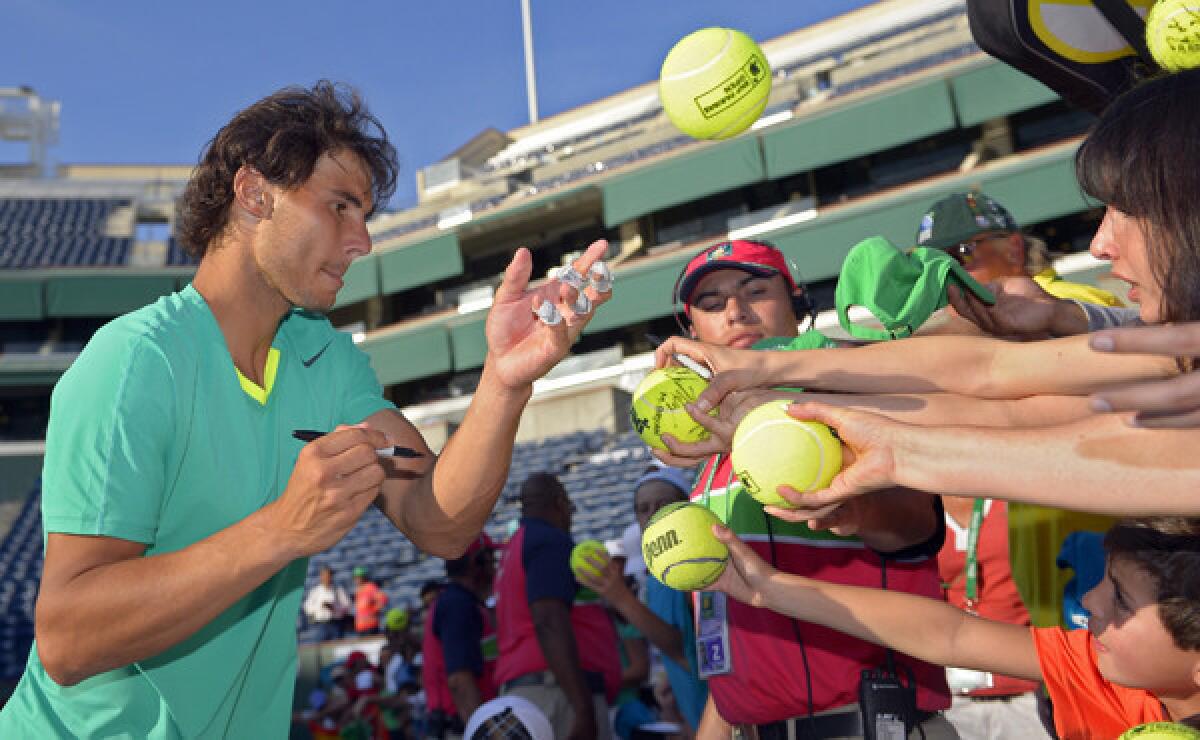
(530, 77)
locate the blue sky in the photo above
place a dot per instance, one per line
(150, 82)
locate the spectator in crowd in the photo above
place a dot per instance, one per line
(198, 531)
(399, 682)
(369, 602)
(555, 651)
(665, 618)
(979, 232)
(326, 605)
(774, 675)
(1138, 661)
(459, 650)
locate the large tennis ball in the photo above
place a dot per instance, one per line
(581, 552)
(680, 549)
(714, 83)
(1173, 34)
(771, 449)
(1160, 731)
(658, 406)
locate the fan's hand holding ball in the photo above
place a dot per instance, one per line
(584, 550)
(773, 449)
(658, 406)
(714, 83)
(680, 549)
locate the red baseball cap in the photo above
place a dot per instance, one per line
(756, 258)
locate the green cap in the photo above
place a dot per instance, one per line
(959, 217)
(396, 619)
(359, 571)
(900, 290)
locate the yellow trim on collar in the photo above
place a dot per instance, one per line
(251, 388)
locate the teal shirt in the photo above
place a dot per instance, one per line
(152, 439)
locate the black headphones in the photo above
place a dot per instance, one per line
(802, 304)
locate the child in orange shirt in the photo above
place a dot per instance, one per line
(1138, 662)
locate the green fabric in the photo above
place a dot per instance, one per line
(151, 439)
(811, 339)
(901, 290)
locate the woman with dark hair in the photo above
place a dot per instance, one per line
(1143, 158)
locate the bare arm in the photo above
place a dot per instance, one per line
(1098, 464)
(465, 692)
(552, 622)
(638, 671)
(712, 725)
(611, 585)
(928, 629)
(981, 367)
(164, 599)
(444, 510)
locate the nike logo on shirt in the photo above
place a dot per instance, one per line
(314, 358)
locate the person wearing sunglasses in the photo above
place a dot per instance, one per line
(1032, 301)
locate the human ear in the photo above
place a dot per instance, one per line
(252, 192)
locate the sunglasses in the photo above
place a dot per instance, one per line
(964, 252)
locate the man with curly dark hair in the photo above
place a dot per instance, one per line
(179, 510)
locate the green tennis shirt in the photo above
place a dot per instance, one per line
(153, 439)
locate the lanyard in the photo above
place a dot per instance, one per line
(712, 474)
(972, 566)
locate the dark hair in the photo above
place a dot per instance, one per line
(1167, 550)
(541, 488)
(1143, 158)
(282, 136)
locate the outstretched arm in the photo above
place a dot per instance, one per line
(981, 367)
(928, 629)
(444, 510)
(1099, 464)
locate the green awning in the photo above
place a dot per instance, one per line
(401, 356)
(859, 128)
(996, 90)
(361, 281)
(21, 297)
(1034, 189)
(107, 293)
(468, 341)
(681, 179)
(419, 263)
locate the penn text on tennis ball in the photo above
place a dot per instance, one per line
(770, 449)
(714, 83)
(680, 548)
(1160, 731)
(1173, 34)
(658, 404)
(581, 552)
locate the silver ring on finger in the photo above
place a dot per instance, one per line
(570, 276)
(582, 304)
(601, 277)
(548, 314)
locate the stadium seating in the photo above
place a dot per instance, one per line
(21, 564)
(60, 232)
(597, 471)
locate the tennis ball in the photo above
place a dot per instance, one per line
(771, 449)
(1173, 34)
(680, 549)
(581, 552)
(1160, 731)
(714, 83)
(658, 406)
